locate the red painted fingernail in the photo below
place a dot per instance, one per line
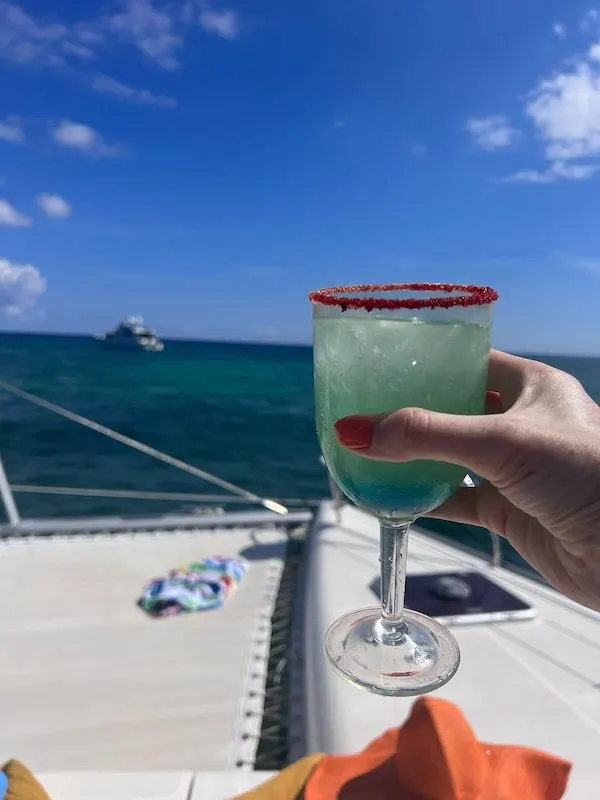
(354, 433)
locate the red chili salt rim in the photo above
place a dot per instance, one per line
(469, 296)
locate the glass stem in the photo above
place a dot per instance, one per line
(390, 628)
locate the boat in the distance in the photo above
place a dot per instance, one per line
(131, 334)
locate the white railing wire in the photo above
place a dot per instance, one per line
(132, 494)
(271, 505)
(240, 495)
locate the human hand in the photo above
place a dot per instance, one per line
(538, 451)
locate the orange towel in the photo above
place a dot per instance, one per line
(21, 783)
(434, 756)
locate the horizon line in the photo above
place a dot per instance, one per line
(259, 343)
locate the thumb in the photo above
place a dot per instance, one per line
(481, 444)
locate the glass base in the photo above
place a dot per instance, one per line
(423, 656)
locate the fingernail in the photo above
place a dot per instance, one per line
(354, 433)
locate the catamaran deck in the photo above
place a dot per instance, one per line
(101, 701)
(89, 682)
(534, 682)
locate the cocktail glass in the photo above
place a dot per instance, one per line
(378, 349)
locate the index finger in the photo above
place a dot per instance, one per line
(507, 375)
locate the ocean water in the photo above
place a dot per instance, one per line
(243, 412)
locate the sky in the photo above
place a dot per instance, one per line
(207, 163)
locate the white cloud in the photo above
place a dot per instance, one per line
(53, 206)
(589, 21)
(559, 30)
(566, 112)
(590, 264)
(11, 131)
(155, 27)
(573, 172)
(87, 33)
(555, 172)
(492, 133)
(23, 39)
(72, 134)
(106, 85)
(11, 218)
(21, 286)
(528, 176)
(80, 50)
(75, 136)
(225, 24)
(27, 40)
(151, 30)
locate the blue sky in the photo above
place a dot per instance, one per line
(206, 164)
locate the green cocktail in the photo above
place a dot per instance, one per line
(369, 365)
(378, 349)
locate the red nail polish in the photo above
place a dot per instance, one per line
(354, 433)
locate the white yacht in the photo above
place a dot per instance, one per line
(101, 701)
(131, 334)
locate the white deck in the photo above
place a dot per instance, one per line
(533, 682)
(150, 785)
(102, 701)
(89, 682)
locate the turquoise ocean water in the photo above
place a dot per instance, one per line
(243, 412)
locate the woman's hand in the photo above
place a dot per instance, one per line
(538, 451)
